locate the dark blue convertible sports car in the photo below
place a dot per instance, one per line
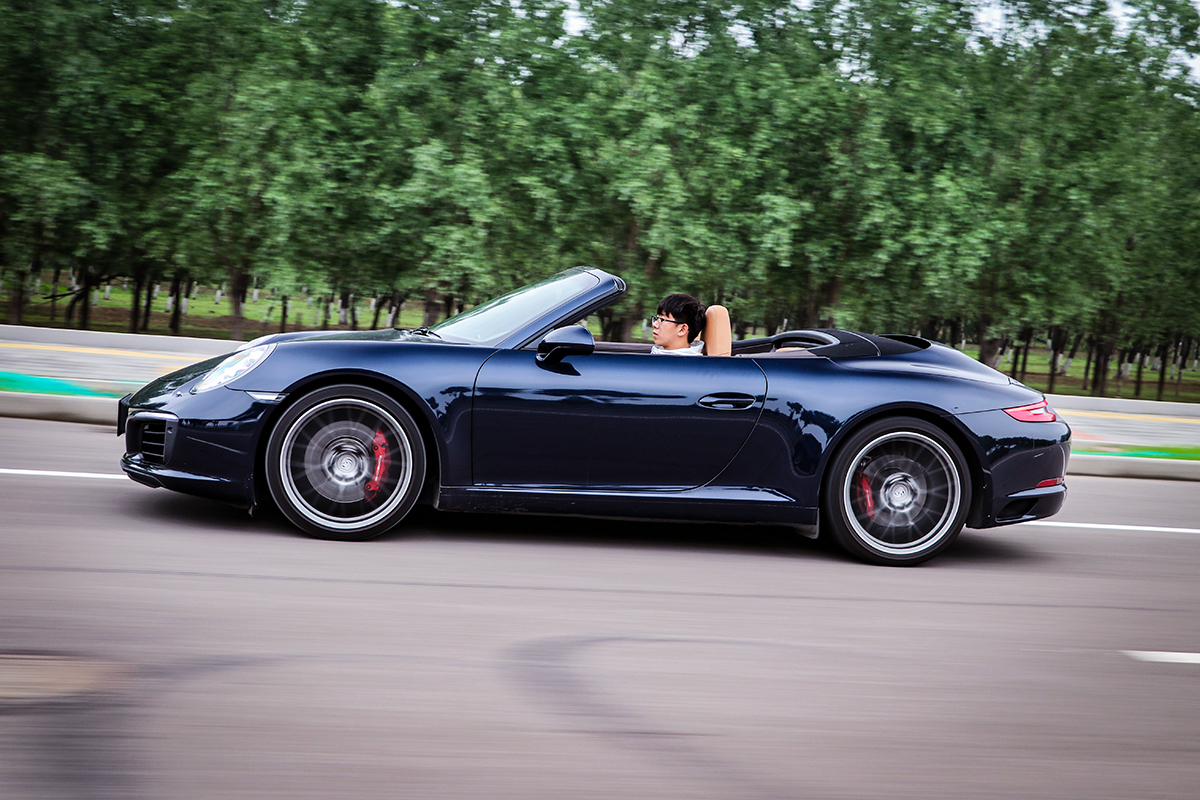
(889, 445)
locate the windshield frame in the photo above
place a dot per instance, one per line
(524, 329)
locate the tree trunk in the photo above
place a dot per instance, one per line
(1066, 365)
(625, 325)
(1162, 371)
(1140, 355)
(1058, 341)
(395, 306)
(135, 305)
(378, 309)
(85, 297)
(54, 293)
(151, 280)
(1100, 375)
(69, 315)
(16, 297)
(989, 347)
(431, 307)
(1087, 364)
(1183, 356)
(283, 314)
(1025, 353)
(239, 279)
(608, 325)
(177, 303)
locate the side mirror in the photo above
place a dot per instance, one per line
(573, 340)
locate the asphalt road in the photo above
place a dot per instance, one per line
(158, 646)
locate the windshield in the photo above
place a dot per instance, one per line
(494, 321)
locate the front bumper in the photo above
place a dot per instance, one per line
(202, 445)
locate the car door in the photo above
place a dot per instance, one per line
(611, 419)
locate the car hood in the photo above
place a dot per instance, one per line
(382, 335)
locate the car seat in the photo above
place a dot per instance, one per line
(717, 334)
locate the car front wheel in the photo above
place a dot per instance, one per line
(345, 462)
(897, 492)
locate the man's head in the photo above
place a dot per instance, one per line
(680, 318)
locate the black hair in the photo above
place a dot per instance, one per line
(684, 308)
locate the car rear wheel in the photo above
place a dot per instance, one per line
(897, 492)
(345, 462)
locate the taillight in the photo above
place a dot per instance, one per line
(1035, 412)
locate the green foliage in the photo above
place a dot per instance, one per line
(903, 165)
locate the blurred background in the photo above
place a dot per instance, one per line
(1004, 176)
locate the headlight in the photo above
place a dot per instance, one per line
(234, 367)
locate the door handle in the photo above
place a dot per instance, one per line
(727, 401)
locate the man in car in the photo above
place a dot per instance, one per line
(677, 324)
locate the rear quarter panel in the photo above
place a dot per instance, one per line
(814, 403)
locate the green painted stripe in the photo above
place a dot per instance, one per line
(33, 384)
(1174, 453)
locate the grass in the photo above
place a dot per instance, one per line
(207, 317)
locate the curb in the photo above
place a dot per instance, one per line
(1167, 469)
(60, 408)
(103, 411)
(1123, 405)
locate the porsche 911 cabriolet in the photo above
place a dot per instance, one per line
(889, 445)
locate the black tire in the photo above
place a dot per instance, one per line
(897, 492)
(345, 462)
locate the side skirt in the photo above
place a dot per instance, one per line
(708, 503)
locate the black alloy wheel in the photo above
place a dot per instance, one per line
(897, 492)
(345, 462)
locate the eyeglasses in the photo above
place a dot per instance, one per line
(657, 319)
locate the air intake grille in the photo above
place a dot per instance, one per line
(154, 441)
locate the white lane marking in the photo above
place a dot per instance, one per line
(42, 473)
(1105, 527)
(1163, 657)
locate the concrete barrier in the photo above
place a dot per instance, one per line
(60, 407)
(1167, 469)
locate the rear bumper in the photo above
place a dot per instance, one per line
(1016, 494)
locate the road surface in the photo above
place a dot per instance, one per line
(158, 646)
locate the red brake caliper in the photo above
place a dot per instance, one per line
(383, 461)
(865, 498)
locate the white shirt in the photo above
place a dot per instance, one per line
(696, 348)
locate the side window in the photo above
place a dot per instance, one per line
(607, 341)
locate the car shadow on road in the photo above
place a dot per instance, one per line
(973, 548)
(656, 534)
